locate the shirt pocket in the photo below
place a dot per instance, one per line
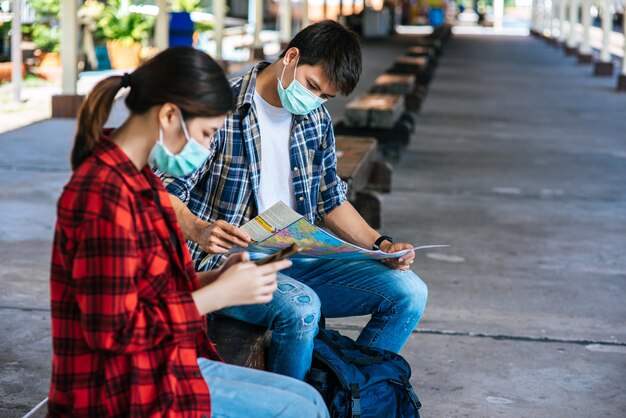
(156, 277)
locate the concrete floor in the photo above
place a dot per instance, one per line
(518, 162)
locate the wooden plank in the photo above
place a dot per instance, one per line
(374, 110)
(394, 84)
(240, 343)
(356, 156)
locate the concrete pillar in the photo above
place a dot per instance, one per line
(69, 46)
(498, 13)
(219, 14)
(562, 6)
(541, 24)
(305, 14)
(584, 53)
(555, 32)
(533, 16)
(604, 67)
(549, 17)
(162, 26)
(285, 21)
(621, 80)
(572, 38)
(16, 50)
(255, 23)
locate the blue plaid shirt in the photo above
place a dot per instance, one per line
(226, 187)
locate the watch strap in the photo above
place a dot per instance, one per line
(380, 240)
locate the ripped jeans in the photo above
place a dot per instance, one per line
(395, 300)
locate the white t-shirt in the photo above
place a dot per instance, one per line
(275, 183)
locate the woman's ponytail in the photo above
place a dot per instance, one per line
(92, 116)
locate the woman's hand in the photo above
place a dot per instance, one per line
(240, 284)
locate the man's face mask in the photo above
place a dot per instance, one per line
(296, 98)
(189, 159)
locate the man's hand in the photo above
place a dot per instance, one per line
(220, 236)
(403, 263)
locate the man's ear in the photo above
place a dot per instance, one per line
(291, 55)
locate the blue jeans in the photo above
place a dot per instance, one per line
(395, 300)
(241, 392)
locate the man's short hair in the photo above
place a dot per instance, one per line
(334, 46)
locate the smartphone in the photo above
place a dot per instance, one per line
(293, 249)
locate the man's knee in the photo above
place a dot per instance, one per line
(299, 308)
(410, 293)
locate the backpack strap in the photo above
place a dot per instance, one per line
(355, 400)
(412, 395)
(374, 358)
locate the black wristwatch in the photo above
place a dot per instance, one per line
(380, 240)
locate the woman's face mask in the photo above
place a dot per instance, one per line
(189, 159)
(296, 98)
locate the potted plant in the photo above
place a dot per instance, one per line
(45, 33)
(181, 26)
(124, 33)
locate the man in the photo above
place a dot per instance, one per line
(277, 145)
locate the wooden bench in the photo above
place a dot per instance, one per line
(374, 111)
(238, 342)
(381, 116)
(366, 175)
(421, 67)
(403, 84)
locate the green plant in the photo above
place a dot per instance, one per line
(123, 27)
(47, 38)
(202, 26)
(186, 5)
(45, 32)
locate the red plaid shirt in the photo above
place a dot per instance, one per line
(126, 332)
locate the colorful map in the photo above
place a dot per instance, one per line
(317, 243)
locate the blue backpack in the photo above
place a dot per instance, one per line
(360, 382)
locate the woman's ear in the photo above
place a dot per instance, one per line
(168, 115)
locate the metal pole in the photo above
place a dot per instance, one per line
(624, 56)
(607, 23)
(69, 46)
(572, 40)
(305, 14)
(555, 15)
(258, 22)
(548, 13)
(585, 46)
(161, 29)
(562, 5)
(16, 50)
(540, 16)
(285, 20)
(533, 15)
(219, 13)
(498, 13)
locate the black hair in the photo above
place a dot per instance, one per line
(334, 46)
(184, 76)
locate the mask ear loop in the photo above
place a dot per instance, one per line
(294, 73)
(184, 125)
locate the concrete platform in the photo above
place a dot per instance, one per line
(518, 162)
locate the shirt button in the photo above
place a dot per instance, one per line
(295, 169)
(301, 199)
(197, 374)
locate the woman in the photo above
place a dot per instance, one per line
(129, 335)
